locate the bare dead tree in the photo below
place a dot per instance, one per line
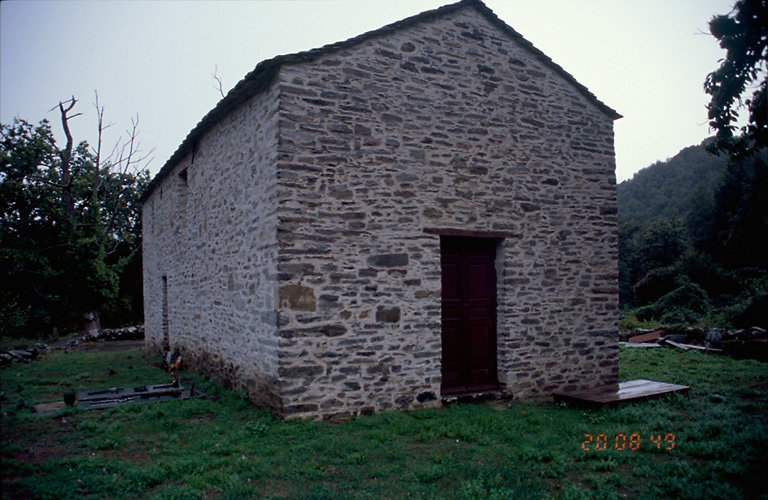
(128, 157)
(125, 157)
(65, 155)
(101, 127)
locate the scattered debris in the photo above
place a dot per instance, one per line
(689, 347)
(741, 343)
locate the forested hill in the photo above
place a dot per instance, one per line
(692, 238)
(667, 188)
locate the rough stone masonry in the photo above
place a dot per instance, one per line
(292, 243)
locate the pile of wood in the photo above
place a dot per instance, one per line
(741, 343)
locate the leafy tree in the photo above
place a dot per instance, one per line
(737, 233)
(648, 255)
(662, 243)
(743, 33)
(629, 261)
(69, 226)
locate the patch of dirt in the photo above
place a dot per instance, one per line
(39, 453)
(38, 450)
(136, 456)
(108, 346)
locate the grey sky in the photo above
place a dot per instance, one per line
(645, 58)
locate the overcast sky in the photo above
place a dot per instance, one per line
(647, 59)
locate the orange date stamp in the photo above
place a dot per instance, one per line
(624, 442)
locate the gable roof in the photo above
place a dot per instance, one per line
(264, 73)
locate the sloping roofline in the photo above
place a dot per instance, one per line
(264, 73)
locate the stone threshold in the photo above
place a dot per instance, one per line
(476, 397)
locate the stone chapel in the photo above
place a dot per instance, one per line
(423, 212)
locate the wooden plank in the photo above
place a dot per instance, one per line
(643, 344)
(691, 347)
(632, 390)
(645, 337)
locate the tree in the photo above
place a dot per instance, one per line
(662, 244)
(737, 232)
(743, 33)
(629, 261)
(70, 224)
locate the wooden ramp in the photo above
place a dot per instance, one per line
(633, 390)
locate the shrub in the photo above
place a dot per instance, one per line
(655, 285)
(688, 303)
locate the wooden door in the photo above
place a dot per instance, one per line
(468, 314)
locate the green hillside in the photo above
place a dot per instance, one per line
(667, 188)
(692, 237)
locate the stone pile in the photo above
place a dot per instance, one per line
(25, 355)
(106, 334)
(126, 333)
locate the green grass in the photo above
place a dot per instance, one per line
(222, 448)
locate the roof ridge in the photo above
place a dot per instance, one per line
(264, 72)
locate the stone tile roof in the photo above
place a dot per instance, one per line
(264, 73)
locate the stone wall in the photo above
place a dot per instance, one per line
(210, 228)
(446, 124)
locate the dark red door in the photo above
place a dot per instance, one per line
(468, 314)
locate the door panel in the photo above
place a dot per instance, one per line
(468, 314)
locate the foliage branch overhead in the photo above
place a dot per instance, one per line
(743, 33)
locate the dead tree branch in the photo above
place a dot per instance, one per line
(66, 158)
(215, 76)
(129, 160)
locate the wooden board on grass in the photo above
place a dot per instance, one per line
(632, 390)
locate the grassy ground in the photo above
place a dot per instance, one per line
(221, 448)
